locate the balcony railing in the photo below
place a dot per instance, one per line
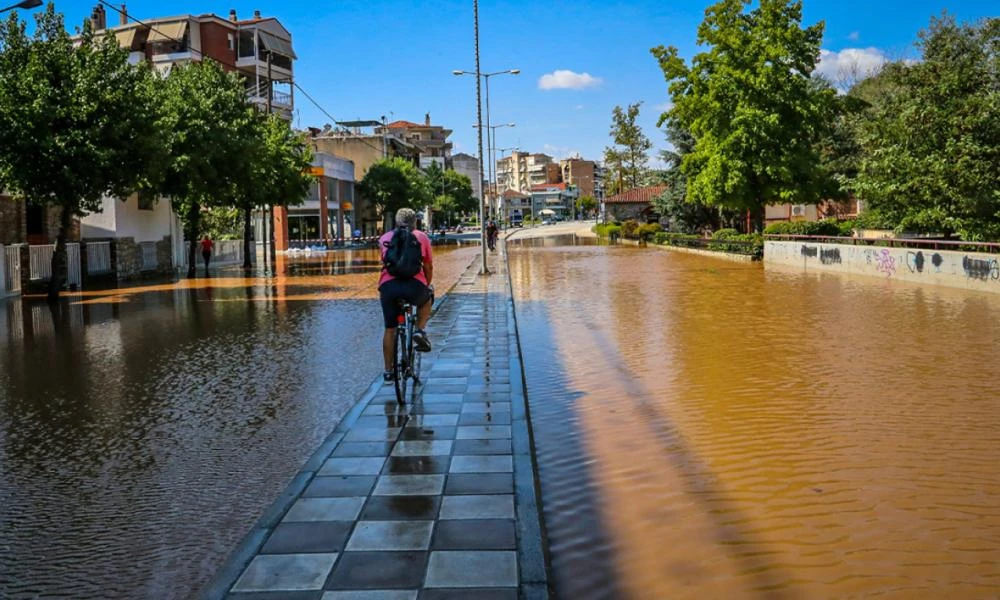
(259, 95)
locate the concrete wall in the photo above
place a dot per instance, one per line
(969, 270)
(119, 219)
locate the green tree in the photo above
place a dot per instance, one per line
(208, 130)
(627, 157)
(586, 204)
(394, 183)
(751, 106)
(930, 138)
(278, 171)
(77, 122)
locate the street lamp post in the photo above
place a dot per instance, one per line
(25, 4)
(479, 119)
(491, 137)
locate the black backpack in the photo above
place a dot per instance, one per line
(403, 256)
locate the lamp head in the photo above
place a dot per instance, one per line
(457, 72)
(515, 71)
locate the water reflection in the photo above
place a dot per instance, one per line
(742, 433)
(143, 430)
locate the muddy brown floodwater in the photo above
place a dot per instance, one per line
(708, 429)
(144, 430)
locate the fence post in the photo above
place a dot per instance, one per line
(113, 253)
(84, 265)
(25, 252)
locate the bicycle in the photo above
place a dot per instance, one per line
(406, 362)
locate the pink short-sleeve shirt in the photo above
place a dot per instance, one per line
(425, 252)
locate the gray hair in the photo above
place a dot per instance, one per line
(406, 217)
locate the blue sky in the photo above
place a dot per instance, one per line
(394, 58)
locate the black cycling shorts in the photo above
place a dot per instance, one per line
(412, 290)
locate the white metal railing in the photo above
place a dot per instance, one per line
(149, 259)
(98, 258)
(40, 262)
(224, 252)
(12, 270)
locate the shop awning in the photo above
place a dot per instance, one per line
(277, 45)
(167, 32)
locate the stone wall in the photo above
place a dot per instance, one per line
(624, 212)
(128, 258)
(952, 268)
(164, 256)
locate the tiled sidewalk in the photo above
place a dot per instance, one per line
(434, 500)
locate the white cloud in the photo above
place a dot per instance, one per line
(850, 65)
(564, 79)
(664, 106)
(854, 36)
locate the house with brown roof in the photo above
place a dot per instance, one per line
(432, 140)
(636, 203)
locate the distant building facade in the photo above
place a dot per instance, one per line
(636, 203)
(431, 140)
(468, 165)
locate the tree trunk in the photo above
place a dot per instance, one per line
(263, 235)
(247, 229)
(194, 213)
(58, 266)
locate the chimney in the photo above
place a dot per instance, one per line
(256, 15)
(427, 119)
(123, 16)
(232, 15)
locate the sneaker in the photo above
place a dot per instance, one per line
(388, 376)
(420, 341)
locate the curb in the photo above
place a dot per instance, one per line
(226, 576)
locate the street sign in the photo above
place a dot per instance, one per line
(317, 171)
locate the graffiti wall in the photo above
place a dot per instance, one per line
(938, 267)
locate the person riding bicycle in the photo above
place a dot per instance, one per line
(492, 232)
(407, 272)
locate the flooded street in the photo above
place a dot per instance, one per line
(708, 429)
(143, 430)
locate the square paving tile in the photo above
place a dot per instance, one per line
(432, 398)
(469, 594)
(409, 485)
(286, 572)
(391, 535)
(375, 422)
(486, 432)
(481, 464)
(459, 569)
(325, 509)
(477, 507)
(475, 534)
(347, 449)
(486, 407)
(339, 487)
(480, 483)
(375, 434)
(300, 538)
(422, 448)
(416, 465)
(385, 408)
(428, 432)
(401, 508)
(372, 595)
(361, 465)
(432, 421)
(435, 409)
(485, 418)
(467, 447)
(283, 595)
(378, 571)
(434, 388)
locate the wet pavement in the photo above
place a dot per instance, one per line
(434, 500)
(143, 430)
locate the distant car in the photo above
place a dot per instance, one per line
(548, 222)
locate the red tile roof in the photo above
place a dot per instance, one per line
(403, 125)
(513, 194)
(640, 195)
(544, 186)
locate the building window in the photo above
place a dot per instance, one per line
(232, 41)
(146, 200)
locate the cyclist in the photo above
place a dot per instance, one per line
(417, 290)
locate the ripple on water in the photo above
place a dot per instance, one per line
(707, 429)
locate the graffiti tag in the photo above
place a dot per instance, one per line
(979, 268)
(829, 257)
(915, 262)
(885, 263)
(808, 251)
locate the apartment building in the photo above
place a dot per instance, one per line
(468, 165)
(585, 175)
(522, 170)
(432, 140)
(260, 49)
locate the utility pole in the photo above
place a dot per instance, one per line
(270, 211)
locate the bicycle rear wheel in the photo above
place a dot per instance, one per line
(400, 368)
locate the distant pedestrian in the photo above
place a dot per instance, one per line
(357, 233)
(492, 231)
(206, 250)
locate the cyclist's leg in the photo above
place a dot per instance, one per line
(388, 294)
(420, 296)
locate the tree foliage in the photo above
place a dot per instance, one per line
(394, 183)
(626, 159)
(586, 204)
(930, 137)
(451, 191)
(76, 122)
(750, 105)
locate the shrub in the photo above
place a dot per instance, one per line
(725, 234)
(826, 227)
(630, 229)
(648, 230)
